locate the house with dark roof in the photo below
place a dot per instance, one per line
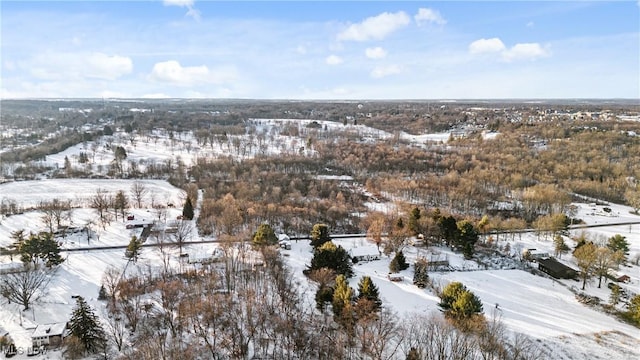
(556, 269)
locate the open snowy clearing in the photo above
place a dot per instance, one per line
(160, 146)
(29, 194)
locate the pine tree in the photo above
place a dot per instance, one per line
(41, 246)
(265, 235)
(420, 274)
(187, 210)
(102, 293)
(414, 221)
(466, 238)
(319, 235)
(619, 243)
(133, 249)
(67, 166)
(398, 263)
(85, 326)
(51, 251)
(332, 257)
(614, 297)
(323, 296)
(343, 312)
(368, 290)
(458, 302)
(120, 203)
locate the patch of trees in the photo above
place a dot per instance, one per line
(282, 193)
(598, 259)
(52, 145)
(190, 313)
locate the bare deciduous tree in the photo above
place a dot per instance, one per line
(138, 191)
(101, 202)
(26, 285)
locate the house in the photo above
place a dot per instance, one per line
(618, 276)
(535, 255)
(364, 253)
(49, 335)
(284, 241)
(556, 269)
(133, 224)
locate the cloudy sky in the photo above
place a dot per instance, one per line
(320, 50)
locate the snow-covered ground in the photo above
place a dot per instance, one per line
(265, 138)
(537, 306)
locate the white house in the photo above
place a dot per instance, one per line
(49, 335)
(364, 253)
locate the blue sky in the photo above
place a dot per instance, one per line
(320, 50)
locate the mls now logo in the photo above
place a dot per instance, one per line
(12, 350)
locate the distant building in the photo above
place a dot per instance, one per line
(364, 253)
(556, 269)
(618, 276)
(49, 335)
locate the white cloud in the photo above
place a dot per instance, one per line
(333, 60)
(530, 24)
(191, 11)
(375, 53)
(383, 71)
(9, 65)
(426, 15)
(522, 51)
(301, 49)
(171, 71)
(107, 67)
(483, 46)
(375, 27)
(526, 51)
(181, 3)
(74, 66)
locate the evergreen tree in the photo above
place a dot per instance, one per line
(420, 274)
(448, 228)
(102, 293)
(458, 302)
(67, 166)
(265, 236)
(40, 247)
(614, 297)
(633, 311)
(368, 290)
(398, 263)
(332, 257)
(319, 235)
(323, 296)
(83, 158)
(50, 250)
(619, 243)
(187, 210)
(342, 303)
(85, 326)
(466, 238)
(133, 249)
(120, 203)
(414, 221)
(107, 130)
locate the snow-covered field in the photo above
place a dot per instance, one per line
(266, 138)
